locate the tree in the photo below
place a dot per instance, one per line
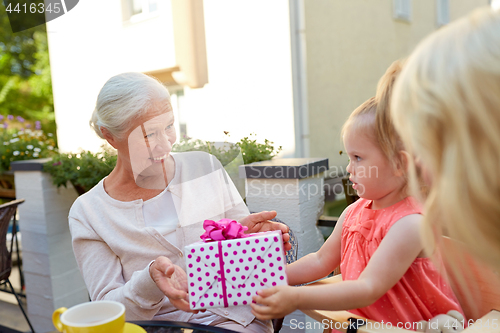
(25, 81)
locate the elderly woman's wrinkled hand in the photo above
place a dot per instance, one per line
(259, 222)
(172, 281)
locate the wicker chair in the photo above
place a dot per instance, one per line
(7, 213)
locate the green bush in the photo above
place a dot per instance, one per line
(21, 140)
(85, 169)
(251, 150)
(255, 152)
(225, 152)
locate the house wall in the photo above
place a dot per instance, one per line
(350, 44)
(248, 56)
(90, 44)
(250, 79)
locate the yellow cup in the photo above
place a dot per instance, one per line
(91, 317)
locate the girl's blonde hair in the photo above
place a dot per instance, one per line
(446, 106)
(373, 117)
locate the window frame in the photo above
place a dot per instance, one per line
(442, 12)
(130, 17)
(402, 10)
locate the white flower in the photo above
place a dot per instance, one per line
(14, 140)
(14, 134)
(50, 147)
(40, 143)
(5, 143)
(37, 149)
(35, 154)
(29, 147)
(20, 133)
(15, 153)
(50, 134)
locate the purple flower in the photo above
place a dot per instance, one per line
(10, 117)
(20, 119)
(1, 117)
(28, 125)
(5, 125)
(37, 125)
(57, 163)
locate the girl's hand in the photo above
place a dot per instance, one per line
(275, 302)
(172, 281)
(259, 222)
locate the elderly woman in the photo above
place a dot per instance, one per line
(128, 232)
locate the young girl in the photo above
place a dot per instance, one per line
(447, 105)
(386, 275)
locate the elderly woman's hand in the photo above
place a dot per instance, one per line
(259, 222)
(172, 281)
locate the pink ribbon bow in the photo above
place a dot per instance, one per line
(222, 230)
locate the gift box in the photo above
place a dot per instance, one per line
(229, 272)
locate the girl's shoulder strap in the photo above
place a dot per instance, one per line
(407, 206)
(412, 206)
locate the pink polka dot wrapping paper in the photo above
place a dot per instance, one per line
(246, 266)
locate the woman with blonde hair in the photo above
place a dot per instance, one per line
(446, 107)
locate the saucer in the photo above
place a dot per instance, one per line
(133, 328)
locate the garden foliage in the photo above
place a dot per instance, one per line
(85, 169)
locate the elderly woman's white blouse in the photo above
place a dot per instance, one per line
(159, 213)
(113, 246)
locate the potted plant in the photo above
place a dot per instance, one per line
(85, 169)
(232, 155)
(226, 152)
(21, 140)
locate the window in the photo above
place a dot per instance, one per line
(177, 100)
(443, 12)
(495, 4)
(138, 10)
(144, 6)
(176, 90)
(402, 9)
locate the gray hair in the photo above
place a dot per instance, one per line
(124, 98)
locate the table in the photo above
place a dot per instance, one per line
(158, 326)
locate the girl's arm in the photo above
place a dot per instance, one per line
(319, 264)
(396, 253)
